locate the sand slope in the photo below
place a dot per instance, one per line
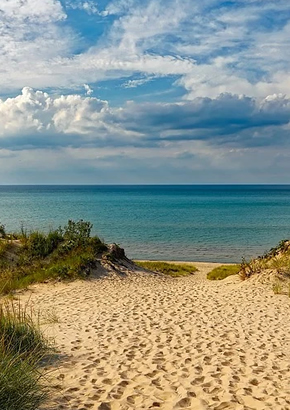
(145, 342)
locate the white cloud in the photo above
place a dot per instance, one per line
(35, 11)
(120, 6)
(89, 6)
(213, 50)
(31, 35)
(137, 83)
(36, 111)
(45, 58)
(88, 89)
(37, 119)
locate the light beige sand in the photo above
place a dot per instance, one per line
(145, 342)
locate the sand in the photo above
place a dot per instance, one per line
(145, 342)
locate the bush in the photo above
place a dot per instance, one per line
(77, 232)
(97, 245)
(223, 272)
(53, 239)
(64, 253)
(36, 245)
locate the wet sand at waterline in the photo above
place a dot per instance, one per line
(144, 342)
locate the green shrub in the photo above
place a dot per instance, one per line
(36, 245)
(77, 232)
(53, 240)
(97, 245)
(64, 253)
(222, 272)
(171, 269)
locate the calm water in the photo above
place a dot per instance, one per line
(202, 223)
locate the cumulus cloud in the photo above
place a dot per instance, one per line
(227, 120)
(37, 111)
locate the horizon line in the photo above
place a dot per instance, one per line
(156, 184)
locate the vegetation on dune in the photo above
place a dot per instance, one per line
(2, 231)
(222, 272)
(21, 385)
(273, 266)
(65, 253)
(19, 334)
(171, 269)
(22, 349)
(277, 260)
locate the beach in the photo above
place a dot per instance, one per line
(145, 341)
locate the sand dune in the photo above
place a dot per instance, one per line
(145, 342)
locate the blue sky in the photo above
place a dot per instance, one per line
(152, 91)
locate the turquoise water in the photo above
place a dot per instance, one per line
(201, 223)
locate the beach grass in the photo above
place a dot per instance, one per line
(19, 332)
(222, 272)
(170, 269)
(23, 384)
(276, 260)
(68, 252)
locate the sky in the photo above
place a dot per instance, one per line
(144, 91)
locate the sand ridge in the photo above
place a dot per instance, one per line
(145, 342)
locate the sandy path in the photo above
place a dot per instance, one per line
(145, 342)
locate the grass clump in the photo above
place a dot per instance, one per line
(276, 260)
(22, 348)
(18, 332)
(277, 288)
(170, 269)
(65, 253)
(222, 272)
(20, 384)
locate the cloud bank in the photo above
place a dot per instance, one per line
(231, 120)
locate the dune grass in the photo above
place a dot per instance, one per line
(65, 253)
(19, 333)
(222, 272)
(170, 269)
(22, 348)
(21, 384)
(277, 260)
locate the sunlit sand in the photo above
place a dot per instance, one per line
(145, 341)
